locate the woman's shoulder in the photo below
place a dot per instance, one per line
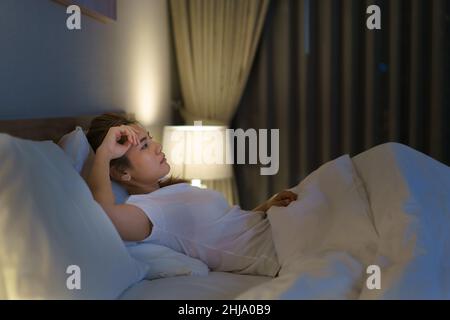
(170, 189)
(179, 190)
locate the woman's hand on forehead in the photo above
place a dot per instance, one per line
(118, 141)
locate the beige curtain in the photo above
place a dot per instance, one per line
(215, 43)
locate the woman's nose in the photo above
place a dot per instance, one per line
(158, 148)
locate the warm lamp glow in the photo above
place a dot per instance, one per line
(149, 69)
(147, 95)
(197, 152)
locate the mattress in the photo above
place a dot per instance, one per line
(215, 286)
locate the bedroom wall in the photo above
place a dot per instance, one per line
(47, 70)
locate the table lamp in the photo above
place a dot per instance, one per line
(197, 152)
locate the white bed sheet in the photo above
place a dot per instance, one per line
(405, 196)
(215, 286)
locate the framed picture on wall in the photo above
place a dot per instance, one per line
(102, 10)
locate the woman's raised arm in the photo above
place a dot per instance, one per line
(130, 221)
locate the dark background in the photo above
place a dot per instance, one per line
(334, 87)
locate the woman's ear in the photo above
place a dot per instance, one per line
(119, 175)
(125, 177)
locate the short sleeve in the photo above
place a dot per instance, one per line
(150, 208)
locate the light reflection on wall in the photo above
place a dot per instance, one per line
(150, 62)
(147, 94)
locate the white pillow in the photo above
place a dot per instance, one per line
(77, 148)
(165, 262)
(50, 221)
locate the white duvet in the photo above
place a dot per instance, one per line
(389, 207)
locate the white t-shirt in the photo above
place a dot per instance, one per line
(200, 223)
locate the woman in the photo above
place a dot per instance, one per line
(196, 222)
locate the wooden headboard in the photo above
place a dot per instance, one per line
(44, 128)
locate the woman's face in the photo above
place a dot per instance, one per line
(148, 162)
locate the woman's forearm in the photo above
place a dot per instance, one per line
(261, 208)
(99, 181)
(281, 199)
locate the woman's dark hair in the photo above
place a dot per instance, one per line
(97, 132)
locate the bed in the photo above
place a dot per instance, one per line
(215, 286)
(178, 285)
(373, 226)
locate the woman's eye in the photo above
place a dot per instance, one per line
(144, 146)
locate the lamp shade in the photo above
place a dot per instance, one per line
(197, 152)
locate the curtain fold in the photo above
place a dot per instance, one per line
(334, 87)
(215, 43)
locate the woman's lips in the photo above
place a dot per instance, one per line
(163, 160)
